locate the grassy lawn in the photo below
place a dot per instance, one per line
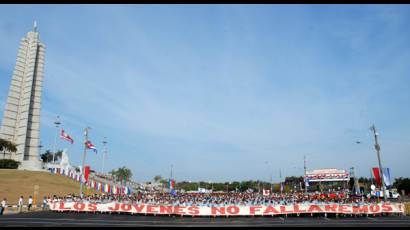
(16, 183)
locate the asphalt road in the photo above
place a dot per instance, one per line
(54, 219)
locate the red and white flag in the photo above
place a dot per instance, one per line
(90, 146)
(266, 192)
(66, 137)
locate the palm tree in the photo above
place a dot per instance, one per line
(122, 174)
(58, 155)
(47, 156)
(6, 145)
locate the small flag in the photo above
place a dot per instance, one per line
(90, 146)
(171, 184)
(65, 136)
(266, 192)
(386, 177)
(306, 182)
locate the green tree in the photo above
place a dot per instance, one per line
(6, 145)
(58, 155)
(402, 184)
(122, 174)
(47, 156)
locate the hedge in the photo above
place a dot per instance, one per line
(9, 164)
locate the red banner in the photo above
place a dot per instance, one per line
(377, 176)
(86, 172)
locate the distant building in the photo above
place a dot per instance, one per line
(21, 117)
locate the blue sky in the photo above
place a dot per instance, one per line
(219, 90)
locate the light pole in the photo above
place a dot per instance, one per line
(377, 147)
(57, 124)
(84, 154)
(171, 172)
(304, 168)
(270, 175)
(280, 180)
(104, 154)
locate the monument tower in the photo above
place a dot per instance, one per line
(21, 117)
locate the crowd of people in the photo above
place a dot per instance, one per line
(20, 204)
(222, 199)
(205, 199)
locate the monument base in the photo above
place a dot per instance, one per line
(32, 165)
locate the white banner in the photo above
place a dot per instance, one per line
(231, 210)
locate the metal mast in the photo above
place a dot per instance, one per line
(104, 154)
(304, 168)
(377, 147)
(84, 154)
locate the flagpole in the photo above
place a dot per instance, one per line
(377, 147)
(104, 154)
(84, 154)
(57, 123)
(280, 180)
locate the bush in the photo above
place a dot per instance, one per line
(9, 164)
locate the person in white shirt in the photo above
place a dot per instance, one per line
(3, 206)
(45, 203)
(30, 203)
(20, 204)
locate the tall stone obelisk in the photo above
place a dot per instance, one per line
(21, 118)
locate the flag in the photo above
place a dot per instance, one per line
(281, 187)
(86, 172)
(90, 146)
(376, 174)
(306, 182)
(65, 136)
(266, 192)
(386, 177)
(171, 184)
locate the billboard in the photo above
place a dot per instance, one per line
(326, 175)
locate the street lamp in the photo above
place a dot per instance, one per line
(57, 124)
(104, 153)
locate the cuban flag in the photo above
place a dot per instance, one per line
(66, 137)
(90, 146)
